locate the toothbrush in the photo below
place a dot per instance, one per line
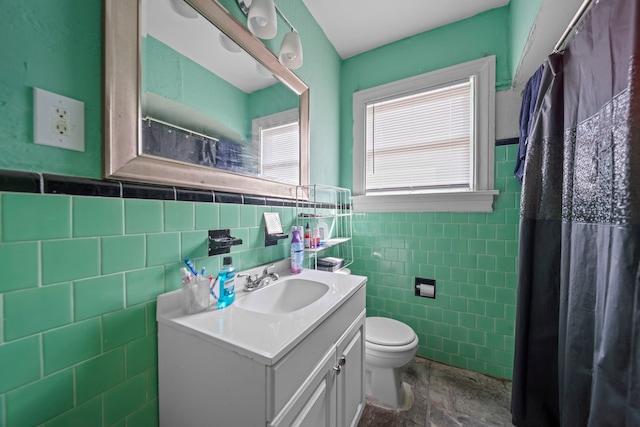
(191, 267)
(186, 276)
(212, 287)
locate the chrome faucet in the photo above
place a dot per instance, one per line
(256, 282)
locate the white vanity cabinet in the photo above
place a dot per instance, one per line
(350, 384)
(333, 395)
(318, 380)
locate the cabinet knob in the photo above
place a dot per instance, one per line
(341, 362)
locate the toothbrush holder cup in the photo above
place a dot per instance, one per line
(196, 295)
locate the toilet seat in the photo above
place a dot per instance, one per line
(382, 331)
(391, 349)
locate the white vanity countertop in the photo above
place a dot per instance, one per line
(260, 336)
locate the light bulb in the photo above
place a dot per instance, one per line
(261, 20)
(183, 9)
(291, 51)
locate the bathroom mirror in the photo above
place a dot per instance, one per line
(172, 117)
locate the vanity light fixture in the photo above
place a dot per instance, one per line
(183, 9)
(261, 21)
(228, 44)
(291, 50)
(262, 71)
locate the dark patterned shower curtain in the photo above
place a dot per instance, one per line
(577, 355)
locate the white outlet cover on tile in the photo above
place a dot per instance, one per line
(45, 123)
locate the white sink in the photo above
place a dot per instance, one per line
(285, 295)
(265, 324)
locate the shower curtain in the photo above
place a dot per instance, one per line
(577, 354)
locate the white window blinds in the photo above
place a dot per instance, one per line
(281, 153)
(420, 142)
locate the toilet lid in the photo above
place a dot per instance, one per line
(385, 331)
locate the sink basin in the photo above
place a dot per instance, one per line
(283, 296)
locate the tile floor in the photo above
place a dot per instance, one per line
(446, 396)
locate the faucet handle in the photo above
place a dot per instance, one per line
(251, 280)
(266, 269)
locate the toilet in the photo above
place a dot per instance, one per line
(389, 345)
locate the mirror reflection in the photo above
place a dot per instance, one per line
(205, 101)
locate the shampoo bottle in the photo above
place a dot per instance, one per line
(307, 237)
(226, 278)
(297, 251)
(316, 237)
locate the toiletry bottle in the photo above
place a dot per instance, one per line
(324, 232)
(226, 278)
(307, 237)
(316, 237)
(297, 251)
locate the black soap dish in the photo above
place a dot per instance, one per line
(220, 241)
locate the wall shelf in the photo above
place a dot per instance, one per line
(329, 209)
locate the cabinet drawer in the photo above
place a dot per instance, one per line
(287, 376)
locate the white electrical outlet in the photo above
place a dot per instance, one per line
(58, 121)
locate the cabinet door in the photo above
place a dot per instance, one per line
(314, 403)
(350, 380)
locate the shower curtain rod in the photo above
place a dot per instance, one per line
(564, 38)
(171, 125)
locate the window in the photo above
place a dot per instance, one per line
(426, 143)
(276, 139)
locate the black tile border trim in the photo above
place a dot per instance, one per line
(255, 200)
(36, 183)
(192, 195)
(147, 191)
(508, 141)
(222, 197)
(58, 184)
(20, 182)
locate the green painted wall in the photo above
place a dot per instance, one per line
(271, 100)
(522, 14)
(321, 71)
(472, 38)
(56, 46)
(173, 76)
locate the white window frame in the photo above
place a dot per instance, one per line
(481, 194)
(271, 121)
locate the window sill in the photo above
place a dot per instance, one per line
(470, 201)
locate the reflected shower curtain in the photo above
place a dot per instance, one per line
(577, 355)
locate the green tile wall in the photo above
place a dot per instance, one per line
(472, 256)
(78, 336)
